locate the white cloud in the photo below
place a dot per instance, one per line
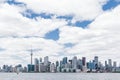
(80, 9)
(17, 49)
(1, 1)
(100, 38)
(108, 21)
(14, 24)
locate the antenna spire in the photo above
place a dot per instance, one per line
(31, 55)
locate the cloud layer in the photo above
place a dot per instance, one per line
(78, 9)
(18, 33)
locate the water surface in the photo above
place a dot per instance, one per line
(60, 76)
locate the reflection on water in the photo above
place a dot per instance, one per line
(60, 76)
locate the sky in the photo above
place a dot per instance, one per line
(59, 28)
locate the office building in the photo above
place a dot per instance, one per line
(36, 65)
(46, 60)
(109, 62)
(31, 68)
(84, 61)
(64, 60)
(114, 64)
(52, 67)
(74, 62)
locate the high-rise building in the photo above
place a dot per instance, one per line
(61, 66)
(106, 64)
(36, 65)
(40, 60)
(96, 62)
(96, 59)
(46, 60)
(70, 61)
(65, 60)
(109, 62)
(84, 61)
(84, 67)
(31, 68)
(52, 67)
(57, 64)
(90, 66)
(36, 61)
(74, 62)
(42, 67)
(114, 64)
(109, 65)
(79, 62)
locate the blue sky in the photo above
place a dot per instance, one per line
(55, 33)
(59, 28)
(111, 4)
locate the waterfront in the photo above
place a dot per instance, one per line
(60, 76)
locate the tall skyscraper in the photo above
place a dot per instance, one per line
(36, 61)
(84, 67)
(46, 60)
(65, 60)
(109, 65)
(74, 62)
(96, 59)
(114, 64)
(52, 67)
(96, 62)
(105, 63)
(109, 62)
(57, 64)
(36, 65)
(79, 62)
(40, 60)
(84, 61)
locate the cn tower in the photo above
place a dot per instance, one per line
(31, 56)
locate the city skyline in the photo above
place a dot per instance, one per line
(59, 28)
(75, 64)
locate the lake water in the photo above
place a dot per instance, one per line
(60, 76)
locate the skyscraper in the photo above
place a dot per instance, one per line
(114, 64)
(36, 65)
(105, 63)
(96, 62)
(36, 61)
(79, 62)
(96, 59)
(52, 67)
(74, 62)
(57, 64)
(65, 60)
(40, 60)
(109, 65)
(84, 61)
(46, 60)
(109, 62)
(84, 67)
